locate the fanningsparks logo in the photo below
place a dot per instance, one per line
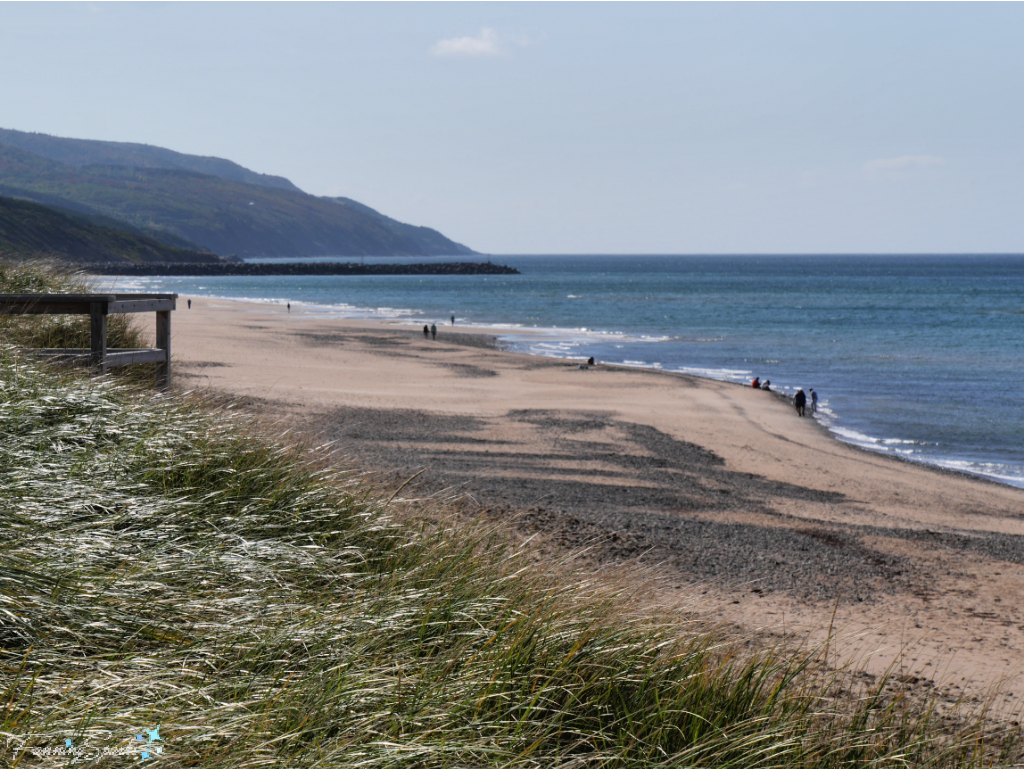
(151, 736)
(144, 746)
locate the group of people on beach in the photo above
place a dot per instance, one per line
(431, 330)
(799, 399)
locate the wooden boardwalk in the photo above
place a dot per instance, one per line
(98, 307)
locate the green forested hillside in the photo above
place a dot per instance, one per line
(221, 214)
(29, 230)
(83, 212)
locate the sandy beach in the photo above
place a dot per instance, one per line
(718, 490)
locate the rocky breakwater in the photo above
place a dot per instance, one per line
(298, 268)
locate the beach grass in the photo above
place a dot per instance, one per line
(171, 565)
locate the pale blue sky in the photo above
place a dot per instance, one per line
(570, 128)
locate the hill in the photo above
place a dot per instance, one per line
(88, 152)
(81, 212)
(431, 239)
(219, 207)
(30, 229)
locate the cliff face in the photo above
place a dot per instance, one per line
(215, 203)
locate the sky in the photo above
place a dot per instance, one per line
(519, 128)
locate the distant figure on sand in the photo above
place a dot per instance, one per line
(453, 320)
(766, 385)
(800, 401)
(756, 383)
(433, 330)
(426, 332)
(590, 361)
(190, 304)
(289, 306)
(814, 402)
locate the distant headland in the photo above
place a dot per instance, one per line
(218, 269)
(169, 201)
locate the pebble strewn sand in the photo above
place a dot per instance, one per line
(719, 489)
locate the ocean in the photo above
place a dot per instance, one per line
(916, 356)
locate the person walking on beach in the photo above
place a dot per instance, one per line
(426, 331)
(800, 401)
(453, 320)
(814, 402)
(289, 306)
(190, 304)
(433, 330)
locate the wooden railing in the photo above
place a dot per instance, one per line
(98, 307)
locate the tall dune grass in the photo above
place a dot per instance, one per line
(167, 566)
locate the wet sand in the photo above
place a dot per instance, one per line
(719, 490)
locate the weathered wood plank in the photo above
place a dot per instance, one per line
(70, 355)
(46, 308)
(163, 342)
(128, 357)
(98, 333)
(68, 297)
(143, 305)
(146, 296)
(83, 355)
(79, 304)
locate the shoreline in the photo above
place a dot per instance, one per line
(499, 345)
(331, 312)
(718, 492)
(878, 389)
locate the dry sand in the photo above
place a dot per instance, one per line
(717, 488)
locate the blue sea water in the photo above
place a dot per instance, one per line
(921, 356)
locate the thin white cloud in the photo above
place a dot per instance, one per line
(892, 167)
(484, 44)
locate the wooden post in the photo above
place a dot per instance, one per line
(98, 329)
(163, 342)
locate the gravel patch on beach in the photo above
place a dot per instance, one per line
(628, 493)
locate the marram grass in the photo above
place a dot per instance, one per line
(168, 569)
